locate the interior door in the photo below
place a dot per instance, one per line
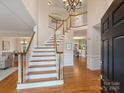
(113, 49)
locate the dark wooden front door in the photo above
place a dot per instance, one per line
(113, 49)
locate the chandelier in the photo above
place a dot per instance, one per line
(72, 5)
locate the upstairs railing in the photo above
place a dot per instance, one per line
(54, 23)
(73, 20)
(23, 62)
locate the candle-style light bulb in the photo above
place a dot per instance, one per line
(67, 4)
(64, 0)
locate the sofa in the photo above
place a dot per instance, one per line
(6, 59)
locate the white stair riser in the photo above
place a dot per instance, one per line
(43, 58)
(40, 84)
(43, 53)
(43, 63)
(44, 49)
(52, 41)
(58, 38)
(42, 69)
(41, 76)
(49, 45)
(57, 35)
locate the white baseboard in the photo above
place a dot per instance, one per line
(40, 84)
(66, 65)
(94, 62)
(68, 60)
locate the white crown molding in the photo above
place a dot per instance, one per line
(17, 33)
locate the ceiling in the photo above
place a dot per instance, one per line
(14, 18)
(57, 9)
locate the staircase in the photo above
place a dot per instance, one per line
(43, 69)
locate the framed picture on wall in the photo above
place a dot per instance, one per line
(68, 46)
(5, 45)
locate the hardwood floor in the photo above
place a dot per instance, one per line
(77, 80)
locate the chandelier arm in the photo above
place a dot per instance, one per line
(72, 2)
(69, 2)
(68, 8)
(78, 2)
(72, 5)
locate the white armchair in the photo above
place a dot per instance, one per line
(6, 59)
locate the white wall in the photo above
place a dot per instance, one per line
(32, 6)
(44, 32)
(14, 18)
(79, 20)
(39, 11)
(68, 54)
(96, 9)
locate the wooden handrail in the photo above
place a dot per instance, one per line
(62, 24)
(30, 42)
(70, 21)
(63, 28)
(60, 52)
(52, 17)
(67, 18)
(59, 26)
(52, 27)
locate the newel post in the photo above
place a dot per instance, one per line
(19, 68)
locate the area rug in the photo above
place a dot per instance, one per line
(5, 73)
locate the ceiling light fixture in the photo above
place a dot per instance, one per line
(72, 5)
(49, 2)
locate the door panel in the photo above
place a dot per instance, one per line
(118, 14)
(106, 59)
(113, 48)
(118, 62)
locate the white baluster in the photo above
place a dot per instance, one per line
(19, 69)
